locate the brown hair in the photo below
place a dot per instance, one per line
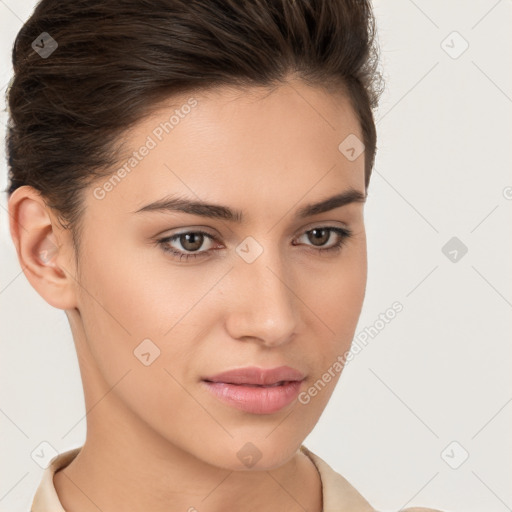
(116, 59)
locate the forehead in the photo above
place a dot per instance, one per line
(247, 147)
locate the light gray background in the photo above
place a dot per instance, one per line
(440, 371)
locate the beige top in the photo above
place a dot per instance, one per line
(337, 493)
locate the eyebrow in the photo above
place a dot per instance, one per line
(216, 211)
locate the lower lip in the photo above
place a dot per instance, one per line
(255, 399)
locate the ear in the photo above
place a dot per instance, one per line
(45, 250)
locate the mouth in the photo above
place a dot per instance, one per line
(255, 399)
(255, 390)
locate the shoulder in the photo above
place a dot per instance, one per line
(339, 494)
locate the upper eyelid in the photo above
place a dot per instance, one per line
(314, 225)
(332, 228)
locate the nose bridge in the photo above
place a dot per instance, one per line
(266, 305)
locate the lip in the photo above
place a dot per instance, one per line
(257, 376)
(256, 390)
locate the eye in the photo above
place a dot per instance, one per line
(192, 241)
(189, 240)
(321, 235)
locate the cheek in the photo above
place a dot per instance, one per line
(336, 301)
(129, 297)
(126, 304)
(337, 295)
(141, 290)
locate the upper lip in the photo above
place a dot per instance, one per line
(257, 376)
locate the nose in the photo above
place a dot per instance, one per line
(264, 304)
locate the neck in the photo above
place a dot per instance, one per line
(124, 464)
(123, 473)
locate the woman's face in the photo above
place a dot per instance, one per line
(261, 288)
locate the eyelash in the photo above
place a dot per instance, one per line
(343, 233)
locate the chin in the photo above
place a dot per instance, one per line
(258, 454)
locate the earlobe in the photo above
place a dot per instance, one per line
(43, 247)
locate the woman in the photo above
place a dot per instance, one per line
(187, 182)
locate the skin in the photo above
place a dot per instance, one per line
(156, 439)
